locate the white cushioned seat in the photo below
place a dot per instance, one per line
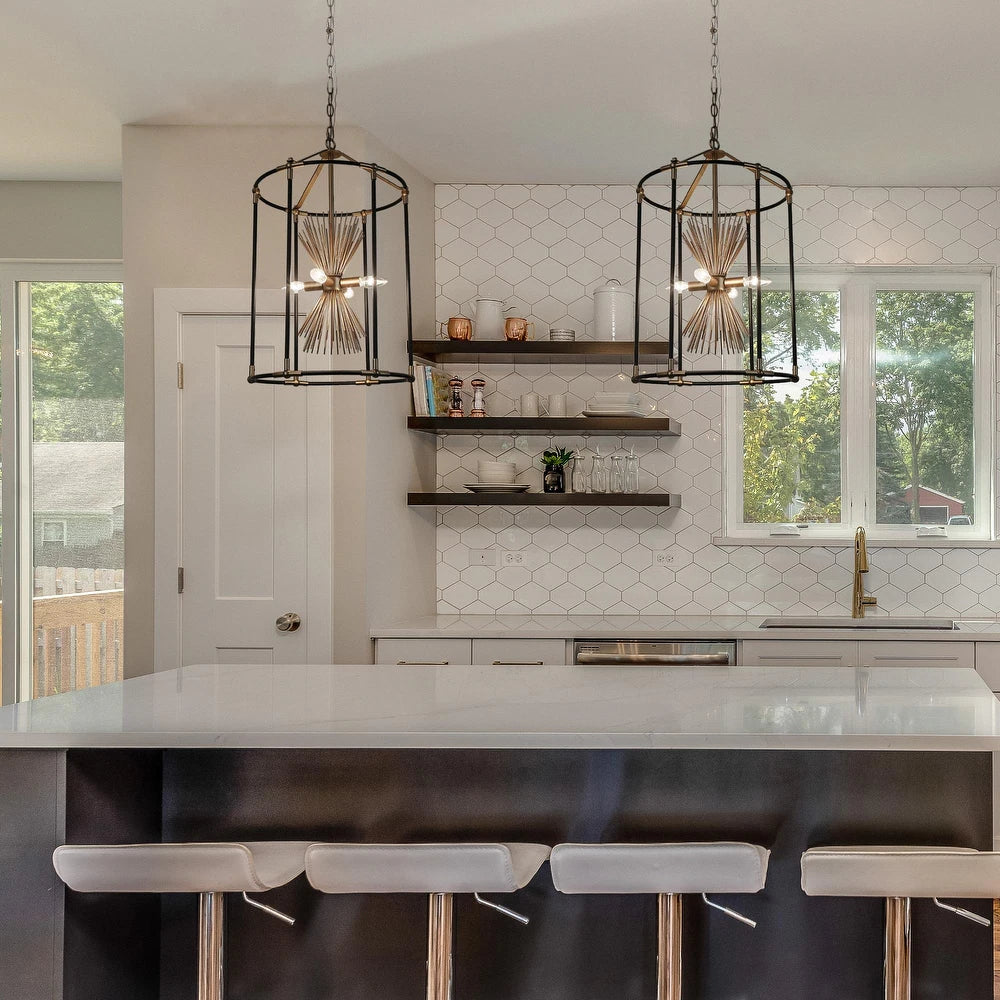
(215, 867)
(426, 868)
(901, 871)
(656, 868)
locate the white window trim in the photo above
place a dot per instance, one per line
(857, 286)
(15, 446)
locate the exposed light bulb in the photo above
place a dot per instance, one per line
(297, 286)
(348, 293)
(733, 292)
(370, 281)
(680, 286)
(753, 281)
(318, 274)
(701, 274)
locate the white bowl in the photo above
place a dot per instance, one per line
(496, 478)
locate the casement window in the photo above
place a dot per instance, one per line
(61, 443)
(890, 425)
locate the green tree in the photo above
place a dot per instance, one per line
(792, 433)
(924, 387)
(77, 343)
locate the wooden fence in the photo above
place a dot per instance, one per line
(77, 640)
(77, 628)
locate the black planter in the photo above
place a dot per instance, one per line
(554, 479)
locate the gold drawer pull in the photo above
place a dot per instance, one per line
(421, 663)
(518, 663)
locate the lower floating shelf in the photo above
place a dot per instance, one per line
(543, 500)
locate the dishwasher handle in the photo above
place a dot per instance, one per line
(654, 659)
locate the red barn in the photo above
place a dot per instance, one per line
(935, 507)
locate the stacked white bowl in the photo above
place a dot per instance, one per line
(562, 336)
(496, 473)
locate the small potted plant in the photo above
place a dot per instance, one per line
(555, 461)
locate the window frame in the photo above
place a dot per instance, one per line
(16, 559)
(858, 286)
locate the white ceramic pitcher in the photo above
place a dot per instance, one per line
(489, 318)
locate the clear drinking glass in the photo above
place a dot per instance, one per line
(599, 474)
(617, 473)
(632, 473)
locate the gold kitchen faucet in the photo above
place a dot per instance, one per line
(860, 599)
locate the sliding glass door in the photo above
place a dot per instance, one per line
(62, 445)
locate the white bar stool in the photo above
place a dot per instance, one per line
(899, 874)
(210, 870)
(439, 870)
(669, 870)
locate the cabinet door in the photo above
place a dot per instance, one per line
(799, 653)
(988, 664)
(415, 651)
(917, 653)
(519, 652)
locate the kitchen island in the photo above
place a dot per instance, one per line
(786, 757)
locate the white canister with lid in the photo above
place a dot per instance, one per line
(614, 312)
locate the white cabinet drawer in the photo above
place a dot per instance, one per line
(519, 652)
(799, 653)
(988, 664)
(917, 653)
(415, 651)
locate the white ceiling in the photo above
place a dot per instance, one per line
(838, 91)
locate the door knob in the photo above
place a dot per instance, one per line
(288, 622)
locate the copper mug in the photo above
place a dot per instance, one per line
(516, 328)
(458, 328)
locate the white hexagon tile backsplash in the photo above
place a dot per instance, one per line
(545, 248)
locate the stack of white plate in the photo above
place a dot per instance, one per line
(615, 404)
(562, 336)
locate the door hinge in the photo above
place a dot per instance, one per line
(180, 374)
(180, 579)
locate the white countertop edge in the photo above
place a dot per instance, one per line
(681, 627)
(501, 741)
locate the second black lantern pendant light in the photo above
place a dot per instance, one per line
(716, 203)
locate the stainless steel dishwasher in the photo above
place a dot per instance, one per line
(652, 653)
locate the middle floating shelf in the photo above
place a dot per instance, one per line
(543, 500)
(547, 426)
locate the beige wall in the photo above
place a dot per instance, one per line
(187, 225)
(60, 220)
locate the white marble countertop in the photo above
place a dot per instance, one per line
(463, 706)
(656, 627)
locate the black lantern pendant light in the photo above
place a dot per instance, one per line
(724, 239)
(335, 212)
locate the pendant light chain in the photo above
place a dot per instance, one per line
(331, 78)
(716, 88)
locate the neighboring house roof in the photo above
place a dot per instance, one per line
(930, 489)
(77, 477)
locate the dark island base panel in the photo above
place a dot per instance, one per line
(576, 947)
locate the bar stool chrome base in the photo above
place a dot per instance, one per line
(900, 874)
(440, 871)
(210, 870)
(670, 871)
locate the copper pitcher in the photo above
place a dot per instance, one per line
(458, 328)
(516, 328)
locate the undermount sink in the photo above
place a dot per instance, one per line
(938, 624)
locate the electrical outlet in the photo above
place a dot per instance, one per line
(663, 558)
(512, 559)
(482, 557)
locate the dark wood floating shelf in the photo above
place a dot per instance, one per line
(543, 500)
(534, 352)
(544, 426)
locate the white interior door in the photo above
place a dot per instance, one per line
(253, 514)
